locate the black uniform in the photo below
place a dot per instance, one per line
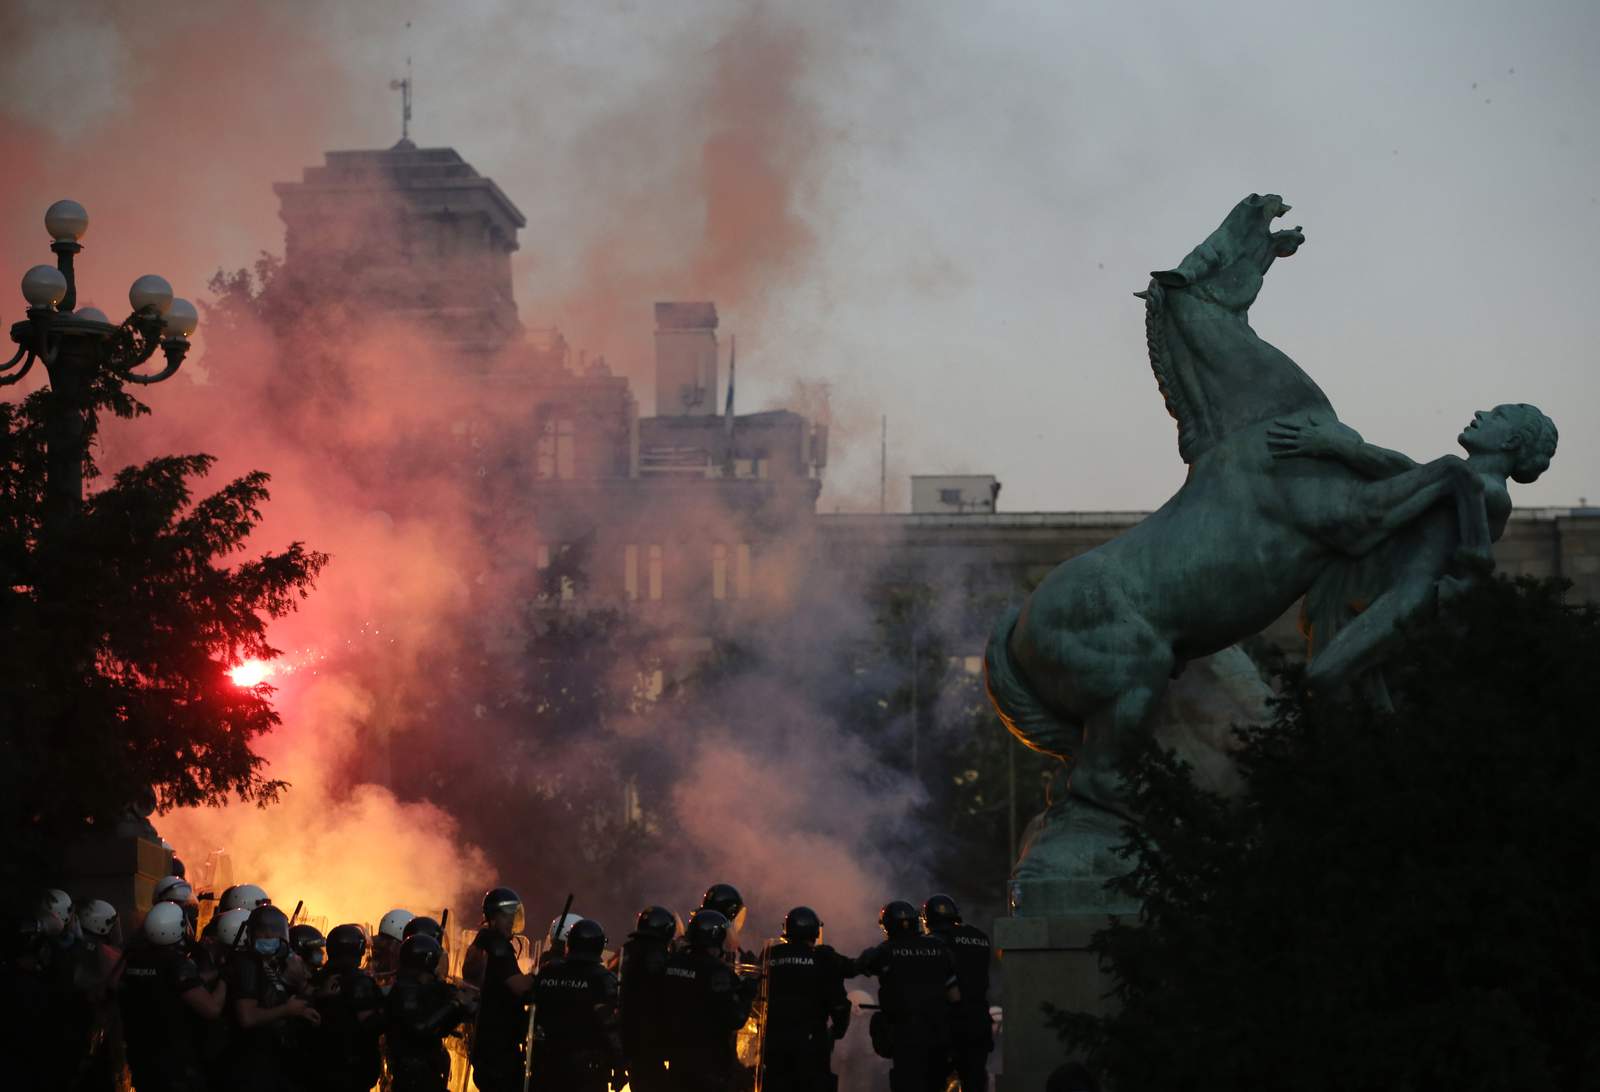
(347, 1058)
(502, 1031)
(805, 995)
(972, 1032)
(161, 1032)
(67, 1024)
(420, 1014)
(576, 1004)
(644, 1016)
(912, 1028)
(708, 1005)
(259, 1058)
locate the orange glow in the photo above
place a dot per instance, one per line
(250, 673)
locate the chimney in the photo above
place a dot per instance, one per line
(686, 359)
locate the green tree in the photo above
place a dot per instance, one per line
(1403, 901)
(119, 627)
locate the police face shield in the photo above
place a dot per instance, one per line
(736, 926)
(519, 920)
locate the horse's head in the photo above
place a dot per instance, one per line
(1228, 267)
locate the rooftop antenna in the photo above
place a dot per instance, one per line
(404, 87)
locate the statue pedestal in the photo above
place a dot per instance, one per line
(121, 867)
(1044, 959)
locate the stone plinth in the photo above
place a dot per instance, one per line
(1045, 959)
(121, 868)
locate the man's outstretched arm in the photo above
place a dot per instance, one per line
(1288, 439)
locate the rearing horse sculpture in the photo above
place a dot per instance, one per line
(1082, 663)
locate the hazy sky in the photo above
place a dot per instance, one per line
(968, 192)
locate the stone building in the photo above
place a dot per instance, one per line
(690, 516)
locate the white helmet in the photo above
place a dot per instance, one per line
(229, 924)
(55, 910)
(97, 918)
(243, 896)
(164, 924)
(394, 924)
(560, 927)
(174, 889)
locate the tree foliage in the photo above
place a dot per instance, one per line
(1404, 901)
(118, 631)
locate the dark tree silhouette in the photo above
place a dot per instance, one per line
(1404, 901)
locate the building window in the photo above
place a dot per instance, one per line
(541, 559)
(557, 450)
(950, 496)
(630, 572)
(719, 571)
(741, 571)
(653, 572)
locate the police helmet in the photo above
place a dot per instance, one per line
(898, 919)
(393, 924)
(97, 918)
(802, 926)
(243, 896)
(164, 924)
(346, 944)
(268, 921)
(725, 899)
(503, 900)
(940, 912)
(55, 910)
(657, 921)
(177, 867)
(229, 925)
(420, 953)
(586, 940)
(560, 927)
(173, 888)
(707, 929)
(424, 925)
(309, 944)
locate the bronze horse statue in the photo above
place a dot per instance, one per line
(1261, 521)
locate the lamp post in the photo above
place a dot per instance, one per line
(84, 354)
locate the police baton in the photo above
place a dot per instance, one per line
(298, 906)
(533, 1008)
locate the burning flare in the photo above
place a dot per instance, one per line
(250, 673)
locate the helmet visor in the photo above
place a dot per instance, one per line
(519, 919)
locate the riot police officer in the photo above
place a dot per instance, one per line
(644, 1015)
(575, 999)
(917, 987)
(163, 1004)
(491, 965)
(972, 1032)
(422, 1010)
(709, 1004)
(347, 1057)
(263, 1002)
(807, 1010)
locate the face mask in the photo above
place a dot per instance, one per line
(267, 946)
(314, 957)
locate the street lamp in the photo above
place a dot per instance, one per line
(57, 327)
(82, 351)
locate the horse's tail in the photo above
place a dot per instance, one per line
(1014, 699)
